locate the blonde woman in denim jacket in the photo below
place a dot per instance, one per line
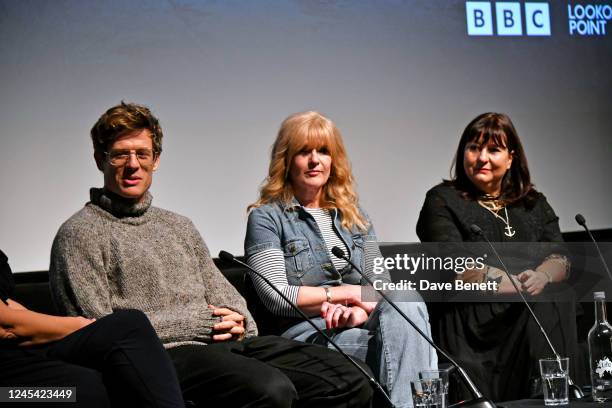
(307, 206)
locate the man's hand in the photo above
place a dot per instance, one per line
(533, 281)
(231, 326)
(339, 316)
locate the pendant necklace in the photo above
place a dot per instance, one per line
(509, 231)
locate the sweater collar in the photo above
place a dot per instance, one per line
(118, 205)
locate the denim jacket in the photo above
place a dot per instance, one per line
(290, 228)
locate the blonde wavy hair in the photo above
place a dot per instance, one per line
(306, 131)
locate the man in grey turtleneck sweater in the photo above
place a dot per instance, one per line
(120, 252)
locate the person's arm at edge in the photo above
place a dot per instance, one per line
(31, 328)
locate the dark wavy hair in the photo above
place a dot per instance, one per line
(497, 127)
(123, 118)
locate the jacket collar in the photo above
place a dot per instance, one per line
(295, 204)
(291, 205)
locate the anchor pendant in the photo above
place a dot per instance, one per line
(509, 231)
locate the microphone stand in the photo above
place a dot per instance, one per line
(479, 401)
(574, 389)
(226, 256)
(580, 220)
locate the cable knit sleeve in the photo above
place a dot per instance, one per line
(77, 273)
(219, 292)
(190, 323)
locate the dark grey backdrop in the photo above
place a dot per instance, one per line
(400, 78)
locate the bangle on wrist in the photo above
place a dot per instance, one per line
(328, 295)
(548, 275)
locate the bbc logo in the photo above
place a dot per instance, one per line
(508, 18)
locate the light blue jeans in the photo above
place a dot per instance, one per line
(395, 352)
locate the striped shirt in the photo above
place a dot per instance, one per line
(331, 239)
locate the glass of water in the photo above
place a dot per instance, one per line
(554, 380)
(442, 375)
(427, 393)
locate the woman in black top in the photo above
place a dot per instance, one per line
(498, 343)
(116, 361)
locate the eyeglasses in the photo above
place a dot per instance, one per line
(120, 157)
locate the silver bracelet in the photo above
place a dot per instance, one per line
(328, 295)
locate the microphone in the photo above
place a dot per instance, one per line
(478, 401)
(580, 220)
(576, 391)
(226, 256)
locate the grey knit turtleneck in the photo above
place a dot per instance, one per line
(113, 254)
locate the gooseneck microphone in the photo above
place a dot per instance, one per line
(226, 256)
(580, 220)
(478, 400)
(576, 391)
